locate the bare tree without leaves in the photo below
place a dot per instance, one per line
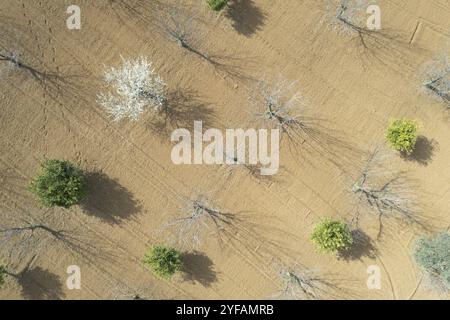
(276, 103)
(200, 218)
(13, 61)
(437, 79)
(351, 16)
(301, 283)
(19, 237)
(232, 163)
(29, 228)
(10, 60)
(123, 292)
(181, 24)
(386, 46)
(387, 193)
(279, 104)
(178, 24)
(24, 235)
(435, 284)
(277, 100)
(14, 56)
(18, 58)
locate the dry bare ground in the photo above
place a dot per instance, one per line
(352, 90)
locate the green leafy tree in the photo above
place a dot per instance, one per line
(60, 184)
(163, 261)
(402, 135)
(433, 255)
(217, 5)
(332, 236)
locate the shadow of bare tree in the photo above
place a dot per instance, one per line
(85, 244)
(202, 222)
(61, 87)
(308, 136)
(107, 199)
(198, 267)
(389, 195)
(439, 89)
(302, 283)
(387, 47)
(246, 18)
(40, 284)
(181, 25)
(68, 84)
(232, 66)
(139, 10)
(254, 171)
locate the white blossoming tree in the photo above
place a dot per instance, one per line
(133, 88)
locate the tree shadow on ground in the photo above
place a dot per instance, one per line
(255, 171)
(107, 199)
(423, 151)
(234, 67)
(363, 246)
(387, 47)
(137, 10)
(308, 137)
(182, 109)
(245, 16)
(86, 244)
(40, 284)
(57, 82)
(198, 267)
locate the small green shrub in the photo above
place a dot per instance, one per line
(163, 261)
(433, 255)
(60, 184)
(217, 5)
(402, 135)
(332, 236)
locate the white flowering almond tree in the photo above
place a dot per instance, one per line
(133, 88)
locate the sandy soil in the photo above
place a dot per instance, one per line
(135, 188)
